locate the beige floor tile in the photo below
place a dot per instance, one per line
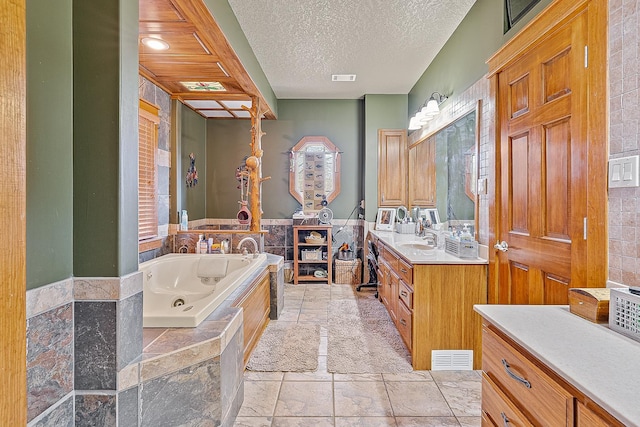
(252, 422)
(357, 377)
(442, 376)
(369, 400)
(365, 422)
(417, 399)
(303, 422)
(322, 349)
(259, 398)
(289, 316)
(305, 398)
(464, 397)
(308, 376)
(409, 376)
(363, 398)
(263, 376)
(427, 422)
(470, 421)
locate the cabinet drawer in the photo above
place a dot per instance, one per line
(498, 408)
(406, 295)
(391, 259)
(406, 272)
(404, 324)
(541, 399)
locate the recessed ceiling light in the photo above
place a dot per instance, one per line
(204, 86)
(155, 44)
(343, 77)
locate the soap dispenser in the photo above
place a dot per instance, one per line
(203, 244)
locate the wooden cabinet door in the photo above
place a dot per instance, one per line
(543, 170)
(383, 280)
(585, 417)
(422, 173)
(394, 284)
(392, 167)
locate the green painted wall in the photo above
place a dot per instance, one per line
(226, 19)
(228, 143)
(380, 112)
(49, 142)
(462, 60)
(105, 130)
(193, 134)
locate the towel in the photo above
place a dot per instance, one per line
(211, 267)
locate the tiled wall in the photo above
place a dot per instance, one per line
(278, 240)
(624, 137)
(84, 364)
(153, 94)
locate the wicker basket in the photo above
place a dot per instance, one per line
(314, 241)
(348, 272)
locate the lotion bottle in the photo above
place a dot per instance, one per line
(184, 221)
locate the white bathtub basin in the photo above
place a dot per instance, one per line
(181, 290)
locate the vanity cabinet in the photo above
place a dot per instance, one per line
(312, 257)
(392, 167)
(431, 305)
(422, 173)
(519, 390)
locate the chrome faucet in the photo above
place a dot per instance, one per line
(430, 236)
(255, 246)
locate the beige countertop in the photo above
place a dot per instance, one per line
(601, 363)
(398, 242)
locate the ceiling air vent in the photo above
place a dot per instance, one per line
(343, 77)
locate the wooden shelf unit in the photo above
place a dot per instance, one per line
(303, 269)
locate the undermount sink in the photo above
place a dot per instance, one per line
(416, 246)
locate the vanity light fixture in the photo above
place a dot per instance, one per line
(155, 43)
(427, 111)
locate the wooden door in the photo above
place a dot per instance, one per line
(543, 170)
(392, 167)
(422, 173)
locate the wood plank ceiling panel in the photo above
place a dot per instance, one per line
(198, 52)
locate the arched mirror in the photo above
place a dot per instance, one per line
(314, 172)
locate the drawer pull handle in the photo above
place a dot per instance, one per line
(505, 420)
(403, 270)
(403, 322)
(404, 293)
(524, 382)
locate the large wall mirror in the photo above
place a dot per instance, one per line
(314, 172)
(445, 163)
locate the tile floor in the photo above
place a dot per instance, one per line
(288, 399)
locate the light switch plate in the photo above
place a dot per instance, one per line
(623, 172)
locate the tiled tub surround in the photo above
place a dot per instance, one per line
(277, 238)
(136, 376)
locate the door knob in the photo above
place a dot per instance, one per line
(501, 246)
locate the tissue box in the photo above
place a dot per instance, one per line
(406, 228)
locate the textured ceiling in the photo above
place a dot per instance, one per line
(387, 43)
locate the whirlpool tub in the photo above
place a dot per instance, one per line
(181, 290)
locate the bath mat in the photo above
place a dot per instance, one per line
(362, 339)
(291, 347)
